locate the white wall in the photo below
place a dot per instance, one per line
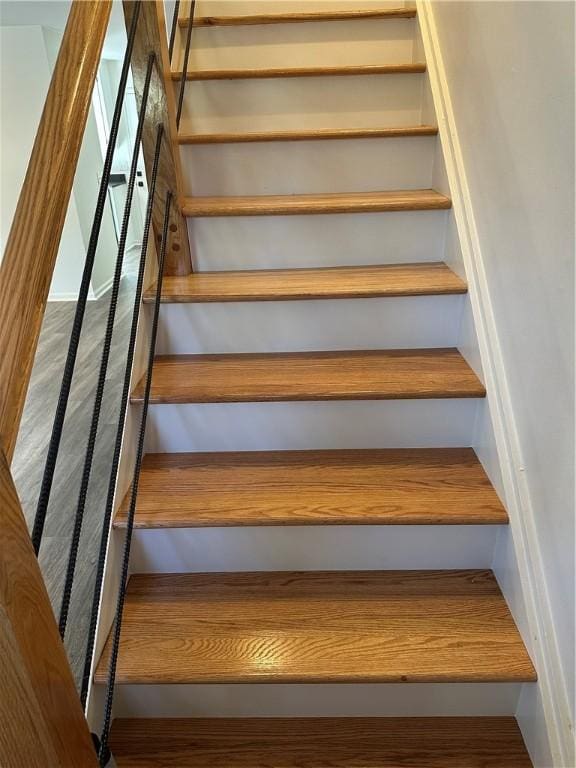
(28, 54)
(510, 70)
(24, 79)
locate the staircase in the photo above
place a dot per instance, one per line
(314, 532)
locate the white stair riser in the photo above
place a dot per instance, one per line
(285, 242)
(365, 101)
(308, 167)
(333, 700)
(331, 43)
(304, 426)
(299, 326)
(312, 548)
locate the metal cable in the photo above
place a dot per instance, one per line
(120, 427)
(60, 415)
(133, 494)
(185, 64)
(173, 30)
(107, 343)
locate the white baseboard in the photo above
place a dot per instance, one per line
(530, 605)
(73, 295)
(102, 289)
(62, 296)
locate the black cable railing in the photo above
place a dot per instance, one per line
(183, 76)
(107, 344)
(120, 427)
(173, 30)
(117, 627)
(152, 66)
(70, 364)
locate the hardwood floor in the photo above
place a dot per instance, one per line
(284, 376)
(307, 135)
(34, 436)
(294, 18)
(357, 487)
(432, 279)
(295, 205)
(317, 627)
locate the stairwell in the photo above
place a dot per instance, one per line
(314, 532)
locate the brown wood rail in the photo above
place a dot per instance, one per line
(42, 719)
(151, 37)
(32, 245)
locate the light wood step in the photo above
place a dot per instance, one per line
(318, 627)
(319, 71)
(445, 486)
(308, 135)
(297, 376)
(351, 202)
(427, 279)
(408, 742)
(297, 17)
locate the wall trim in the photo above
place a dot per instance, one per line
(65, 296)
(538, 612)
(102, 289)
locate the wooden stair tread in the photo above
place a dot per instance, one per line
(446, 486)
(317, 71)
(433, 278)
(350, 202)
(292, 376)
(317, 627)
(297, 17)
(308, 135)
(359, 742)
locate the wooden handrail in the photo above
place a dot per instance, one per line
(42, 720)
(32, 246)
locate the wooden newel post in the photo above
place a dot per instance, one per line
(41, 720)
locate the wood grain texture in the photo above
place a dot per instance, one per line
(348, 202)
(318, 71)
(32, 245)
(308, 135)
(428, 279)
(318, 627)
(294, 18)
(161, 109)
(41, 715)
(409, 742)
(445, 486)
(292, 376)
